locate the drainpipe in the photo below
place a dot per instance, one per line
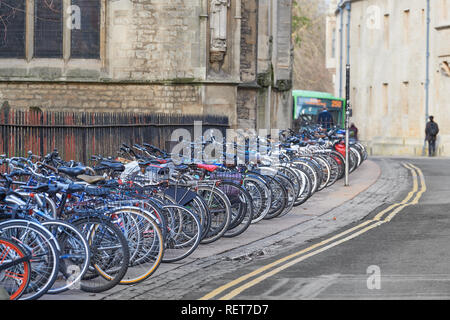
(427, 80)
(349, 9)
(269, 93)
(341, 30)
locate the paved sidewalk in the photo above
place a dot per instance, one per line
(267, 232)
(372, 185)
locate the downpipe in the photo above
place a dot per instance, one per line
(427, 80)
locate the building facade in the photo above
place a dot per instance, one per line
(205, 57)
(399, 54)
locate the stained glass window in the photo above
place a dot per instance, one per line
(12, 28)
(48, 29)
(86, 35)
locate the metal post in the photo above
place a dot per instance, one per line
(347, 120)
(347, 97)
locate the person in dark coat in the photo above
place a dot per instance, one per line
(431, 132)
(325, 119)
(353, 131)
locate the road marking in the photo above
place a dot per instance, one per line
(408, 197)
(252, 283)
(424, 185)
(366, 225)
(219, 290)
(418, 195)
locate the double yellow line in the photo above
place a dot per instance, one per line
(253, 278)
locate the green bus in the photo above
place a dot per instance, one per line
(308, 105)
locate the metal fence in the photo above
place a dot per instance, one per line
(77, 136)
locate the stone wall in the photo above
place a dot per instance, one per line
(247, 103)
(249, 38)
(97, 97)
(275, 65)
(247, 96)
(155, 40)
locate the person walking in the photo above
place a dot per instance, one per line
(325, 119)
(431, 132)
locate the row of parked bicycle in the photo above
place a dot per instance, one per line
(66, 225)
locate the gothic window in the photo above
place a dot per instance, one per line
(58, 29)
(12, 28)
(86, 37)
(48, 29)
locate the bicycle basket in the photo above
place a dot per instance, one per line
(235, 177)
(152, 175)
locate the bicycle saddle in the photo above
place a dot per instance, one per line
(115, 166)
(38, 189)
(207, 167)
(91, 179)
(182, 168)
(73, 172)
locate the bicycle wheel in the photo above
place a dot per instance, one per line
(306, 189)
(279, 198)
(220, 211)
(362, 151)
(334, 169)
(313, 162)
(110, 254)
(356, 161)
(326, 172)
(242, 207)
(74, 255)
(291, 193)
(341, 162)
(293, 178)
(145, 242)
(197, 206)
(154, 207)
(185, 233)
(44, 254)
(310, 171)
(15, 268)
(261, 195)
(232, 191)
(200, 208)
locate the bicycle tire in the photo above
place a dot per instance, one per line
(186, 233)
(261, 195)
(70, 249)
(96, 280)
(220, 217)
(246, 216)
(279, 199)
(145, 242)
(14, 279)
(41, 243)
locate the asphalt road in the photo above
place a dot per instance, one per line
(404, 254)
